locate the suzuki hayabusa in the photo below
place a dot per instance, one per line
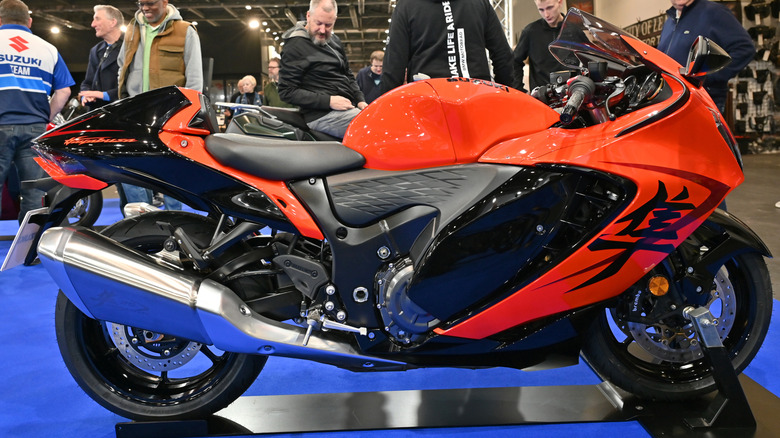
(459, 223)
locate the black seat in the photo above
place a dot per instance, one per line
(282, 160)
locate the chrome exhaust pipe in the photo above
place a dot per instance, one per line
(109, 281)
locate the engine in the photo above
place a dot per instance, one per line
(404, 321)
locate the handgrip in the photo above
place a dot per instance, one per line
(580, 90)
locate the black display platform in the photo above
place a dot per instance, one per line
(739, 408)
(462, 408)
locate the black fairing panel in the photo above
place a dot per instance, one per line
(152, 108)
(128, 127)
(363, 197)
(401, 226)
(511, 237)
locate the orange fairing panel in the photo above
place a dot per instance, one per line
(680, 179)
(443, 121)
(658, 220)
(194, 148)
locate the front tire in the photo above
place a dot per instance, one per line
(151, 376)
(663, 362)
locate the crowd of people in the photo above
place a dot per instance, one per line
(428, 39)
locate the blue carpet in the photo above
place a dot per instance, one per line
(40, 399)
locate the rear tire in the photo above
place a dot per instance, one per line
(641, 360)
(151, 376)
(86, 211)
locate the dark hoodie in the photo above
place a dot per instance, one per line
(311, 73)
(443, 39)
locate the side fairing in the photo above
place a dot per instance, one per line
(512, 236)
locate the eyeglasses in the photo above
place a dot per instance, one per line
(147, 4)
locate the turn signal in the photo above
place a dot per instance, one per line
(658, 285)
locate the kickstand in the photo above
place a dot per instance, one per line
(729, 408)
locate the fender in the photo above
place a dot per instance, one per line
(737, 230)
(59, 200)
(723, 235)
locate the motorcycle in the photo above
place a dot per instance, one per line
(459, 223)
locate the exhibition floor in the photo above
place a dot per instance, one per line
(40, 399)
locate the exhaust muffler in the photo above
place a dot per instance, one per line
(112, 282)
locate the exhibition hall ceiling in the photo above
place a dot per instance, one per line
(361, 25)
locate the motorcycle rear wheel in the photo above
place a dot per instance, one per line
(158, 386)
(627, 357)
(86, 211)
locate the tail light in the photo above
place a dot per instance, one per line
(66, 164)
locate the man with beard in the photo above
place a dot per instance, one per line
(100, 83)
(315, 73)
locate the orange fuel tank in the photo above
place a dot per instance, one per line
(441, 122)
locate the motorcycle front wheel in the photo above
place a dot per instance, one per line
(665, 363)
(144, 375)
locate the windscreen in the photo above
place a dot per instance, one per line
(585, 38)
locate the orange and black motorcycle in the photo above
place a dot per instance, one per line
(459, 223)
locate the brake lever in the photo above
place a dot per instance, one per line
(618, 94)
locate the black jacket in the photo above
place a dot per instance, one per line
(533, 45)
(426, 36)
(102, 73)
(366, 80)
(310, 74)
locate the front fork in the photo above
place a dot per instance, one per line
(687, 276)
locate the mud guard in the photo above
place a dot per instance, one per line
(738, 230)
(723, 235)
(60, 199)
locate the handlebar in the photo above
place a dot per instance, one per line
(580, 91)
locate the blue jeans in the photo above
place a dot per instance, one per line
(141, 194)
(15, 147)
(334, 123)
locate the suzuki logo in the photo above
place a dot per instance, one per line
(19, 44)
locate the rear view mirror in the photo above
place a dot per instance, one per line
(705, 57)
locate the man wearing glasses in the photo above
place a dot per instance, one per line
(271, 89)
(160, 49)
(368, 78)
